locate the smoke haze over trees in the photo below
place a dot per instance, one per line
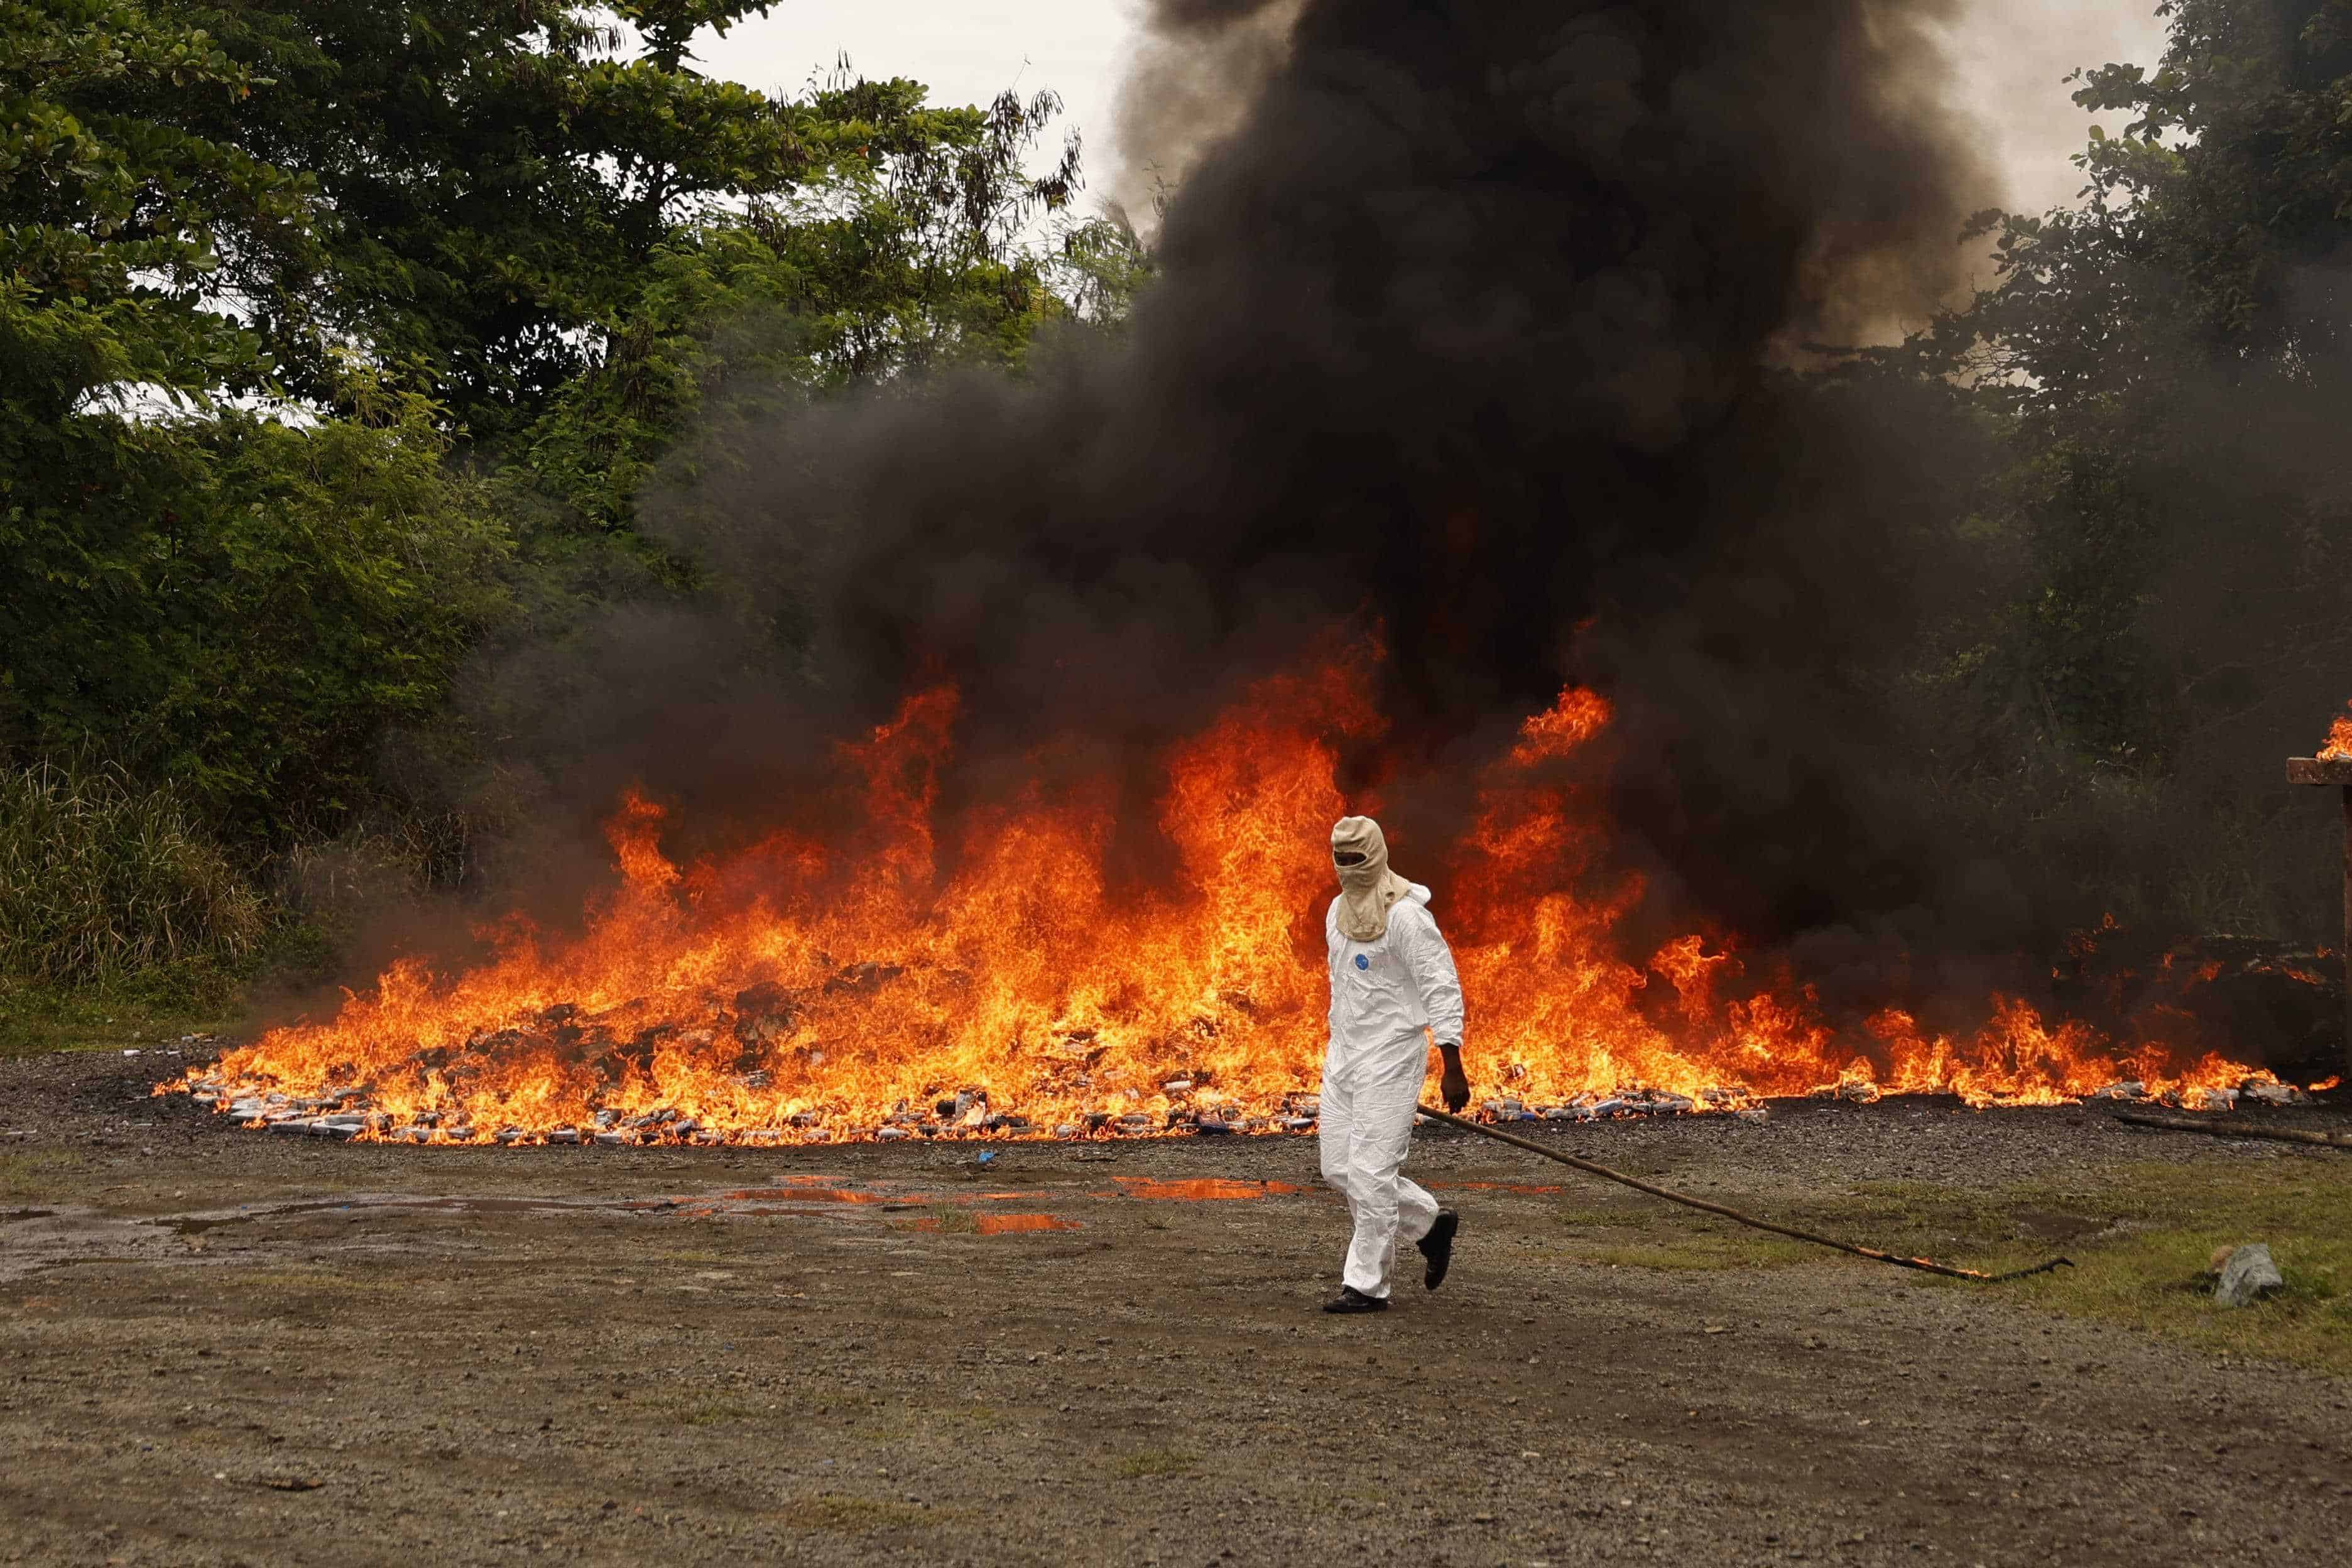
(705, 427)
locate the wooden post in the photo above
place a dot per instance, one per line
(2336, 771)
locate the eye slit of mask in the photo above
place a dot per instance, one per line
(1347, 857)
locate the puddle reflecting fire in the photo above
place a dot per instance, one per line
(1013, 1224)
(1197, 1189)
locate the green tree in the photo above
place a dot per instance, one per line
(2247, 210)
(893, 263)
(112, 225)
(497, 182)
(211, 594)
(540, 218)
(489, 175)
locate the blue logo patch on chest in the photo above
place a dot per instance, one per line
(1364, 962)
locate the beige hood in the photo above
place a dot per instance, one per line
(1369, 889)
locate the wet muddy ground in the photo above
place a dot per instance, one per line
(223, 1347)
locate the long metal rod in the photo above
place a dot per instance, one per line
(1622, 1179)
(2225, 1130)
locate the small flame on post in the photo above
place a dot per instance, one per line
(2339, 740)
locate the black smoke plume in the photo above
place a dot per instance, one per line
(1495, 324)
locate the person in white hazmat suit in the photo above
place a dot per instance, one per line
(1394, 989)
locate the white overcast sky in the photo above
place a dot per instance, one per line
(2008, 58)
(966, 51)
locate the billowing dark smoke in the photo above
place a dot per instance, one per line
(1481, 326)
(1196, 71)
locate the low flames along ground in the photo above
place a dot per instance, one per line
(800, 991)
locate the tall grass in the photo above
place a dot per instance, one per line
(100, 877)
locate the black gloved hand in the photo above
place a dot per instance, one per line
(1453, 1088)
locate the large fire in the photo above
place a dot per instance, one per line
(989, 978)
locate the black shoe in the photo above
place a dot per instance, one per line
(1438, 1247)
(1350, 1299)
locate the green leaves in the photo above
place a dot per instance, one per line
(488, 180)
(499, 264)
(670, 25)
(236, 604)
(910, 252)
(111, 221)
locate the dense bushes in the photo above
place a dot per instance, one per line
(100, 877)
(239, 607)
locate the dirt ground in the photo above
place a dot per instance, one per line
(222, 1347)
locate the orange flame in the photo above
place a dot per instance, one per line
(800, 991)
(2339, 740)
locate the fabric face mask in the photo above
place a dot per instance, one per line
(1368, 888)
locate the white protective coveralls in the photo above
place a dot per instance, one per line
(1384, 995)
